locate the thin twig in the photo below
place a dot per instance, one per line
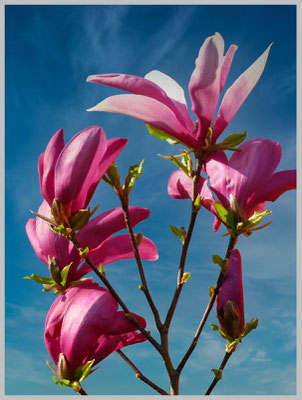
(144, 288)
(185, 246)
(232, 243)
(217, 378)
(117, 297)
(139, 374)
(82, 392)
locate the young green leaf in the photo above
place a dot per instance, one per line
(234, 139)
(180, 233)
(44, 280)
(224, 215)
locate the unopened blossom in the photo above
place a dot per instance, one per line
(84, 324)
(249, 178)
(229, 301)
(71, 173)
(96, 235)
(160, 102)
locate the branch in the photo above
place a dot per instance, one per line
(145, 288)
(116, 296)
(232, 243)
(185, 246)
(139, 375)
(217, 377)
(82, 392)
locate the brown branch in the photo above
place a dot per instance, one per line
(232, 243)
(116, 296)
(217, 378)
(144, 288)
(139, 374)
(185, 246)
(82, 392)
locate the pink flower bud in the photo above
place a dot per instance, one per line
(229, 301)
(83, 324)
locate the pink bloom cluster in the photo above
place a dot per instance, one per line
(83, 323)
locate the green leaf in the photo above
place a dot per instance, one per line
(224, 335)
(61, 382)
(217, 373)
(211, 291)
(234, 139)
(214, 327)
(84, 252)
(185, 277)
(102, 269)
(83, 371)
(249, 327)
(217, 260)
(161, 135)
(59, 229)
(180, 233)
(256, 218)
(80, 219)
(44, 280)
(227, 217)
(197, 202)
(179, 164)
(134, 173)
(64, 274)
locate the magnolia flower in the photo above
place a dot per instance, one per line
(229, 301)
(96, 235)
(71, 173)
(248, 178)
(83, 324)
(160, 102)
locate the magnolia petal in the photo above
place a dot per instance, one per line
(150, 111)
(177, 96)
(237, 93)
(33, 238)
(216, 167)
(47, 163)
(115, 249)
(114, 147)
(52, 244)
(204, 85)
(216, 224)
(77, 166)
(252, 168)
(226, 65)
(106, 224)
(279, 183)
(148, 86)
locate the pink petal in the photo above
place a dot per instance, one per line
(147, 86)
(77, 167)
(237, 93)
(252, 168)
(216, 167)
(216, 224)
(114, 147)
(150, 111)
(180, 187)
(52, 244)
(118, 248)
(106, 224)
(47, 163)
(122, 324)
(32, 236)
(176, 95)
(204, 86)
(279, 183)
(226, 65)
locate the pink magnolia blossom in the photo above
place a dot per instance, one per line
(83, 323)
(248, 176)
(160, 102)
(71, 173)
(229, 301)
(96, 235)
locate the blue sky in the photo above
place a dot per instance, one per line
(50, 50)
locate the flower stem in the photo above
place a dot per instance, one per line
(185, 246)
(216, 379)
(139, 375)
(82, 392)
(231, 245)
(145, 288)
(116, 296)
